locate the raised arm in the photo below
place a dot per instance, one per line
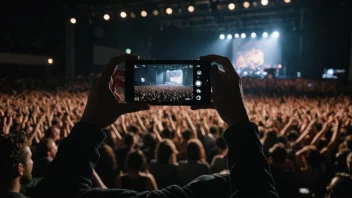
(335, 140)
(250, 173)
(71, 172)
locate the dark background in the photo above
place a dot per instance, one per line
(40, 28)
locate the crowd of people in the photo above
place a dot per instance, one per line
(306, 138)
(163, 93)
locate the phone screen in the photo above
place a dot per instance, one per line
(168, 82)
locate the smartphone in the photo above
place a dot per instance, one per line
(168, 82)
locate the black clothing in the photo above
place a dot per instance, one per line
(70, 173)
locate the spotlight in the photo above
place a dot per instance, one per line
(123, 14)
(128, 51)
(253, 35)
(73, 20)
(50, 61)
(237, 35)
(222, 36)
(264, 2)
(231, 6)
(190, 8)
(255, 4)
(229, 36)
(276, 34)
(155, 12)
(246, 4)
(168, 11)
(287, 1)
(106, 17)
(144, 13)
(265, 34)
(243, 35)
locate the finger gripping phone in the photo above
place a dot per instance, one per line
(168, 82)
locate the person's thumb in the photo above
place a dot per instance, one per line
(215, 78)
(130, 108)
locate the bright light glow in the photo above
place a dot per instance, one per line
(287, 1)
(123, 14)
(265, 73)
(144, 13)
(265, 2)
(246, 4)
(279, 66)
(330, 72)
(222, 36)
(128, 51)
(73, 20)
(276, 34)
(237, 35)
(253, 35)
(155, 12)
(50, 61)
(245, 73)
(229, 36)
(265, 34)
(142, 80)
(106, 17)
(231, 6)
(168, 11)
(190, 8)
(243, 35)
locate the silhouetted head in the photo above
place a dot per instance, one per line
(340, 186)
(165, 151)
(136, 161)
(278, 154)
(195, 151)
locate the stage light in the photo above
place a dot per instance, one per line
(222, 36)
(237, 35)
(265, 34)
(229, 36)
(245, 73)
(73, 20)
(190, 8)
(279, 66)
(276, 34)
(128, 51)
(330, 72)
(264, 2)
(231, 6)
(243, 35)
(50, 61)
(255, 4)
(144, 13)
(123, 14)
(106, 17)
(155, 12)
(246, 4)
(253, 35)
(287, 1)
(142, 79)
(133, 15)
(168, 11)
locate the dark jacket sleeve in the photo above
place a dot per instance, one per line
(250, 174)
(71, 171)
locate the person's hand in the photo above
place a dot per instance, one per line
(227, 91)
(104, 104)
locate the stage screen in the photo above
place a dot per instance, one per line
(256, 55)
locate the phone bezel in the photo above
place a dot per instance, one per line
(206, 94)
